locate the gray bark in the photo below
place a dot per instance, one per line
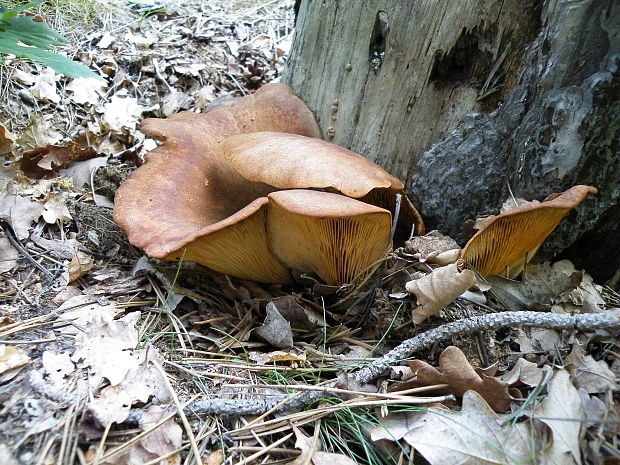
(467, 101)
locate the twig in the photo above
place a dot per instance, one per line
(582, 322)
(15, 243)
(264, 450)
(404, 351)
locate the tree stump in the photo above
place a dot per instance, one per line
(471, 102)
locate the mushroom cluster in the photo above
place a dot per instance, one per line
(252, 191)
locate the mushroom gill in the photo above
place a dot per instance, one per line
(510, 239)
(334, 236)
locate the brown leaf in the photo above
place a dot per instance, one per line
(439, 288)
(8, 255)
(80, 265)
(20, 212)
(43, 161)
(456, 371)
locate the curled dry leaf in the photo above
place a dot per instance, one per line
(439, 288)
(311, 456)
(80, 265)
(456, 371)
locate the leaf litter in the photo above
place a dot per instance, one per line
(83, 330)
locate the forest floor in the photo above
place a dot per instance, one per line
(109, 357)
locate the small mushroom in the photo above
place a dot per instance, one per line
(334, 236)
(292, 161)
(186, 192)
(512, 238)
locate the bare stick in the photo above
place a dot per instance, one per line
(582, 322)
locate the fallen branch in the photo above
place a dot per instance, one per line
(404, 351)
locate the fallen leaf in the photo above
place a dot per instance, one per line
(106, 40)
(7, 138)
(215, 458)
(79, 265)
(6, 457)
(44, 87)
(164, 440)
(298, 316)
(23, 77)
(475, 435)
(86, 90)
(311, 456)
(562, 412)
(276, 330)
(204, 97)
(39, 133)
(12, 357)
(538, 289)
(8, 255)
(80, 171)
(456, 371)
(174, 102)
(588, 374)
(46, 160)
(55, 209)
(539, 340)
(65, 250)
(438, 289)
(20, 212)
(525, 372)
(105, 345)
(121, 113)
(262, 358)
(112, 405)
(586, 295)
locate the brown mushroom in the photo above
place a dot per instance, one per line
(511, 238)
(185, 190)
(334, 236)
(292, 161)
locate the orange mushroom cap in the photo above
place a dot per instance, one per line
(334, 236)
(506, 240)
(186, 189)
(292, 161)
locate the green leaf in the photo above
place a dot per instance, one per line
(37, 39)
(58, 63)
(10, 13)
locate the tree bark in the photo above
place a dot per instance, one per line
(471, 101)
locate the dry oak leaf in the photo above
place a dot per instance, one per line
(473, 436)
(456, 371)
(589, 374)
(438, 289)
